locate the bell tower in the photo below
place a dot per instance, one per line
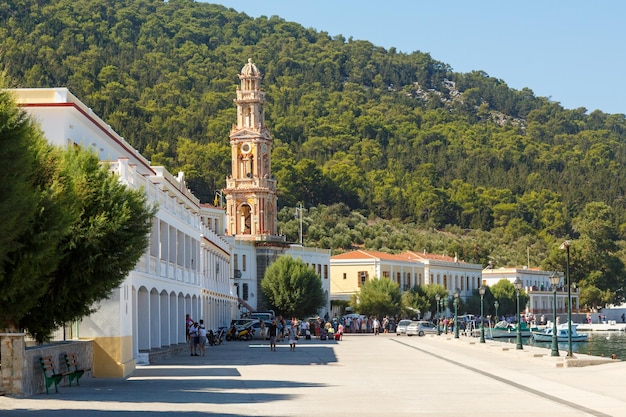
(250, 189)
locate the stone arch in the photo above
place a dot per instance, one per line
(245, 219)
(175, 319)
(164, 322)
(154, 319)
(143, 319)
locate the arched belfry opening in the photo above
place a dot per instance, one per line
(245, 216)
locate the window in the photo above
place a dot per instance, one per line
(235, 261)
(325, 271)
(345, 276)
(245, 291)
(398, 278)
(243, 262)
(385, 274)
(362, 277)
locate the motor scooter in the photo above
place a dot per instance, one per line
(235, 333)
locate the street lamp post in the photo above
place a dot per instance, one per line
(496, 304)
(437, 298)
(518, 287)
(554, 280)
(481, 291)
(456, 309)
(565, 245)
(443, 313)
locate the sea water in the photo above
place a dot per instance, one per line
(598, 344)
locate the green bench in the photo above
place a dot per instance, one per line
(50, 374)
(74, 371)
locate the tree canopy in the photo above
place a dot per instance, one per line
(292, 288)
(378, 297)
(83, 234)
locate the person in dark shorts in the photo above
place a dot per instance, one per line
(273, 331)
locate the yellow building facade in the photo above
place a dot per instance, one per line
(350, 270)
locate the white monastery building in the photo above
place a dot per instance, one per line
(186, 267)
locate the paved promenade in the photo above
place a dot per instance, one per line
(363, 375)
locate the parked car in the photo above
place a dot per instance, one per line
(256, 325)
(266, 316)
(401, 327)
(420, 328)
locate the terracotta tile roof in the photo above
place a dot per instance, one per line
(432, 256)
(365, 254)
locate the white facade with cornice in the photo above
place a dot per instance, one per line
(184, 270)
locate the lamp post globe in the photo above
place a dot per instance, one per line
(565, 246)
(437, 298)
(456, 310)
(482, 291)
(554, 281)
(518, 287)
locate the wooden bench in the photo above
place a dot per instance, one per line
(50, 374)
(74, 370)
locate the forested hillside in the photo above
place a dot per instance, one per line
(387, 135)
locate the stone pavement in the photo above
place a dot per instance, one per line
(363, 375)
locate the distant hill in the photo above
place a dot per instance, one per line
(389, 135)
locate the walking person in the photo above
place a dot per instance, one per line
(291, 337)
(202, 338)
(273, 330)
(262, 327)
(376, 326)
(193, 339)
(188, 324)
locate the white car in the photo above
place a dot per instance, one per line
(420, 328)
(401, 327)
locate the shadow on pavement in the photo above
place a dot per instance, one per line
(115, 413)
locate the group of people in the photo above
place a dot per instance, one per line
(278, 330)
(364, 324)
(196, 336)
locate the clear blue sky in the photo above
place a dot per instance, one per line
(573, 52)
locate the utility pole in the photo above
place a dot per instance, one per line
(299, 212)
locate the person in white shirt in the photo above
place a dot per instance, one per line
(291, 337)
(202, 338)
(193, 339)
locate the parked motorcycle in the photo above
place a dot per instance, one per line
(216, 338)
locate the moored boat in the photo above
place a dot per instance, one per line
(504, 329)
(562, 332)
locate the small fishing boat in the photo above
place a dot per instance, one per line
(503, 329)
(561, 334)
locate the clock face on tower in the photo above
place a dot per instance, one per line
(246, 148)
(264, 148)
